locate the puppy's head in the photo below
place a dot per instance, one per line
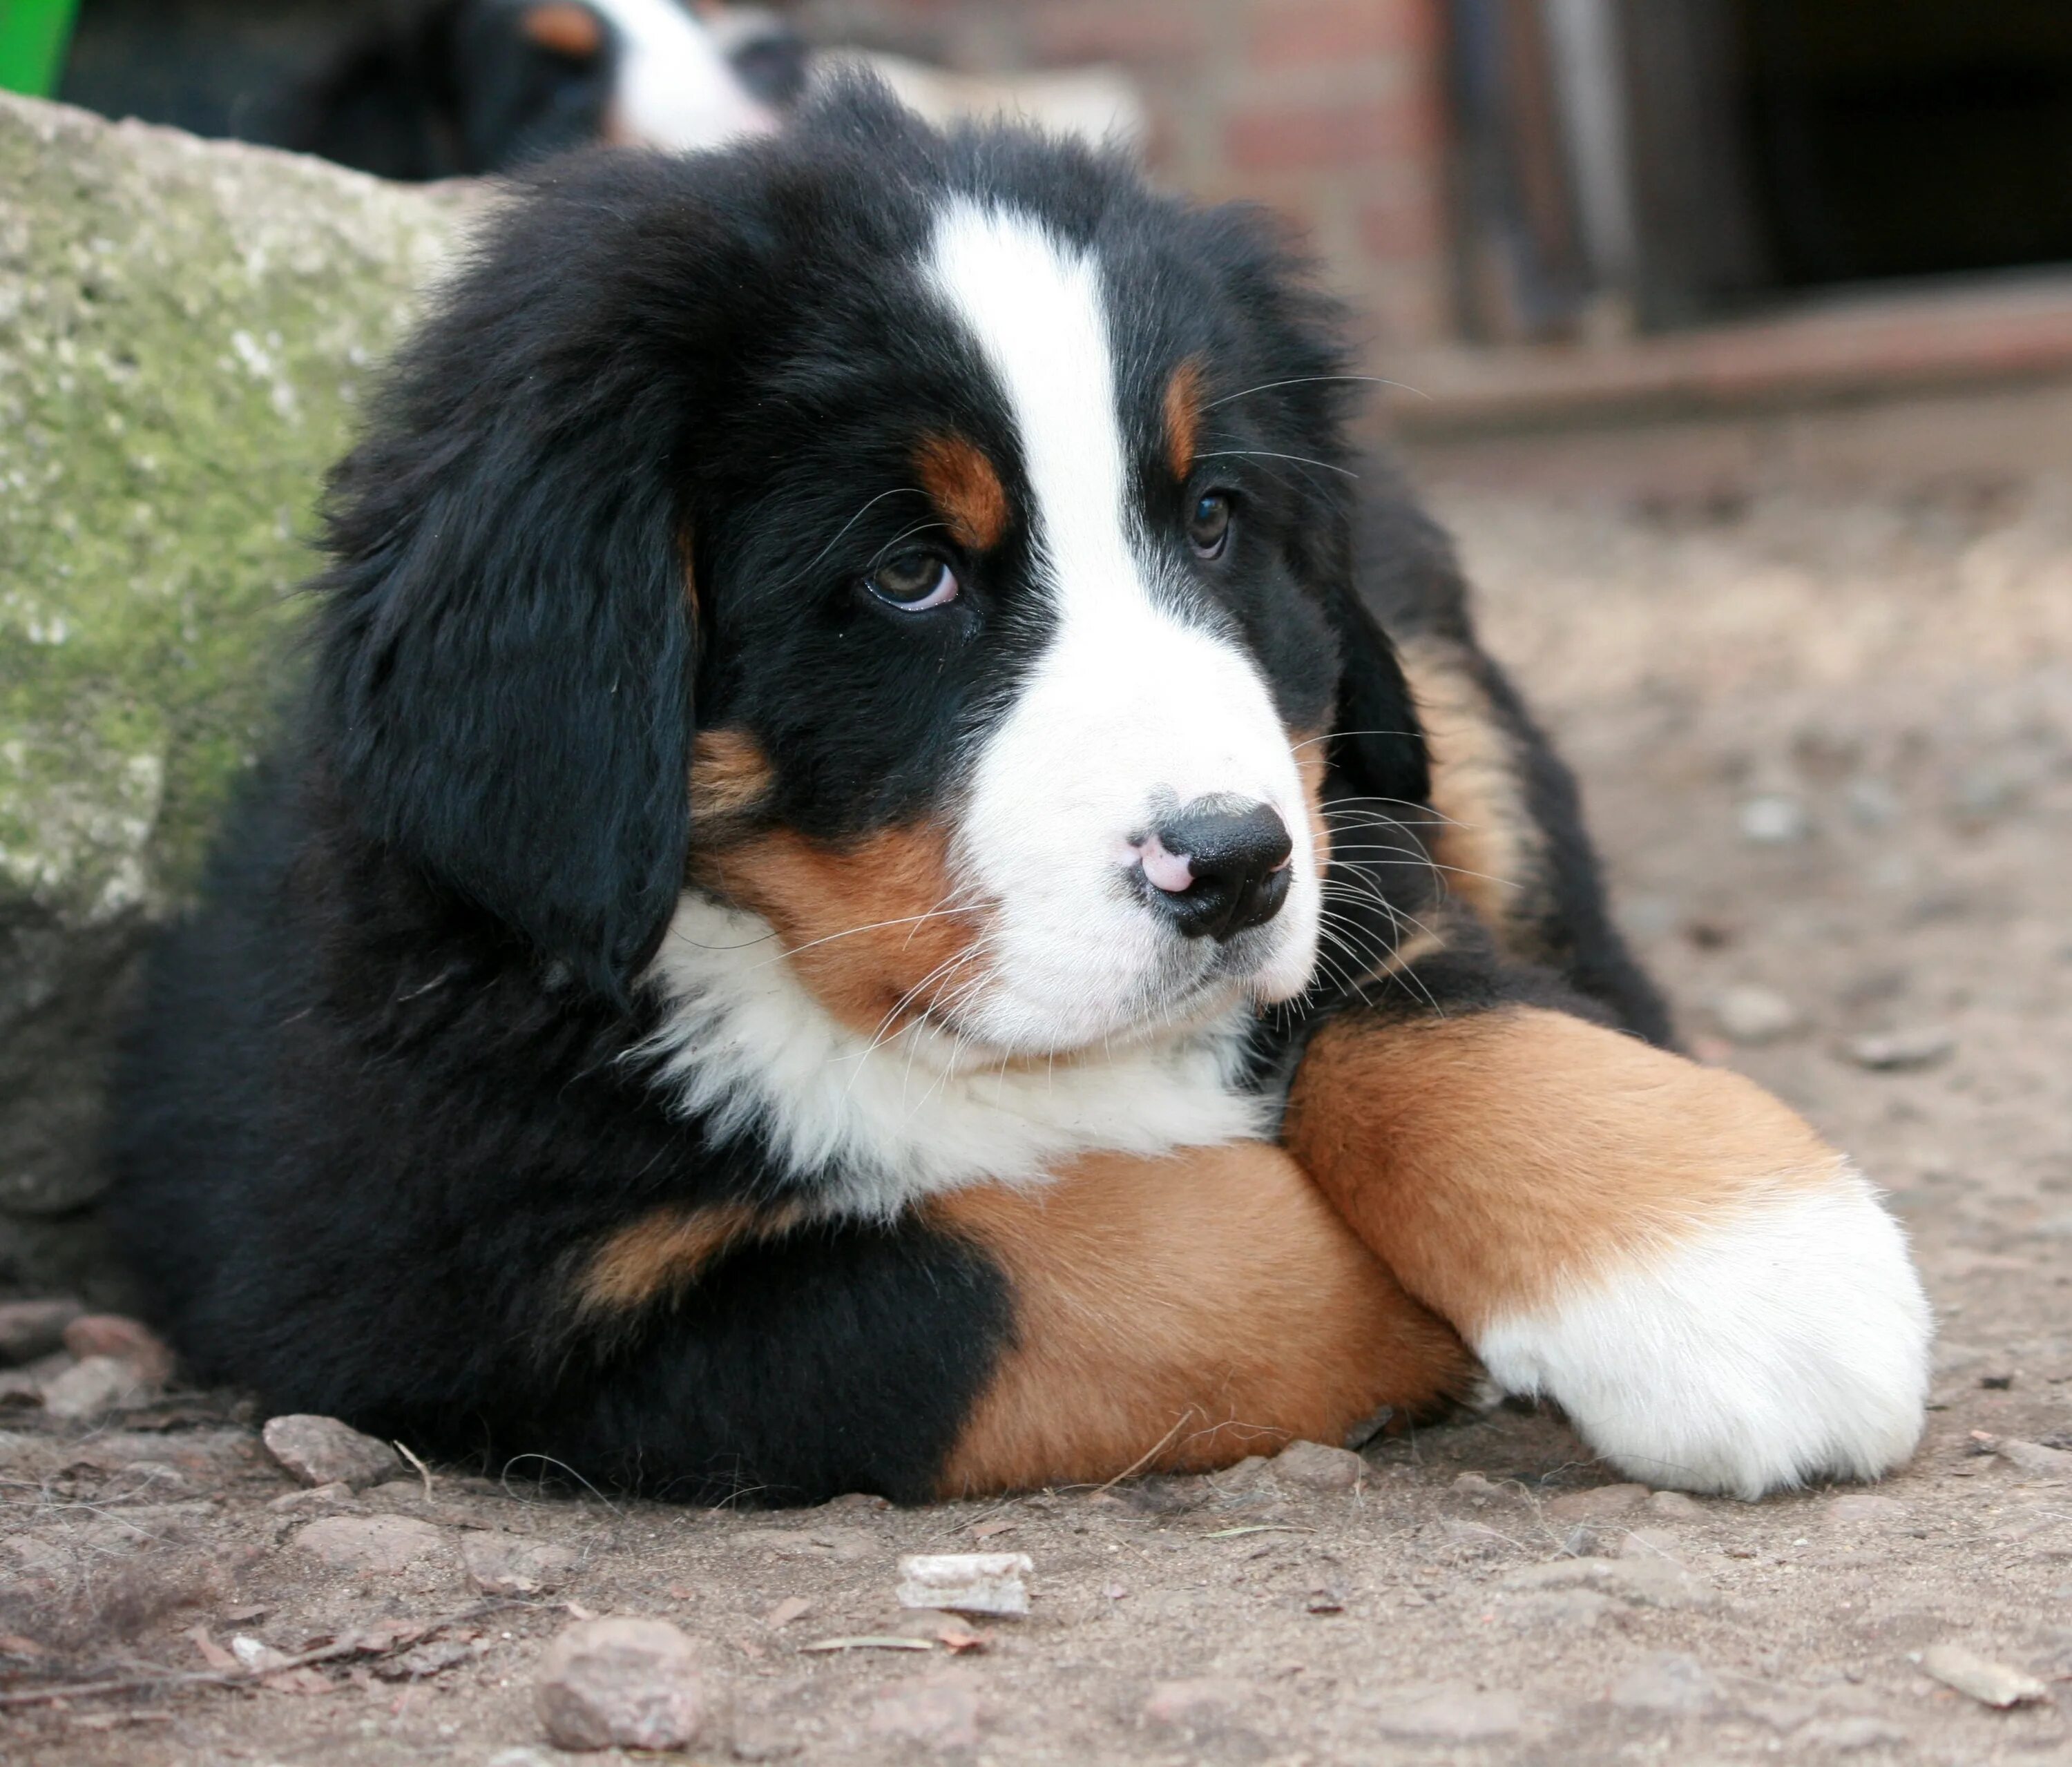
(937, 548)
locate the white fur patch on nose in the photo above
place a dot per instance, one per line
(1129, 704)
(1170, 872)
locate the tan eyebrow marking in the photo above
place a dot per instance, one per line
(1183, 417)
(965, 489)
(565, 28)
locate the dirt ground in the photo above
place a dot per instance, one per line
(1817, 675)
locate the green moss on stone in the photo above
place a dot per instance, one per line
(187, 330)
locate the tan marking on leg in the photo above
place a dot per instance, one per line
(1179, 1314)
(664, 1252)
(870, 927)
(965, 490)
(730, 775)
(1492, 1159)
(565, 28)
(1490, 848)
(1183, 417)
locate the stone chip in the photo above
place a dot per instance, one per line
(315, 1450)
(386, 1544)
(1314, 1466)
(622, 1683)
(989, 1582)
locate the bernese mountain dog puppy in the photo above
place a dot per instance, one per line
(451, 88)
(901, 874)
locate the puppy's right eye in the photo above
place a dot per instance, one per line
(912, 582)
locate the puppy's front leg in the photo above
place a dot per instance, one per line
(1714, 1295)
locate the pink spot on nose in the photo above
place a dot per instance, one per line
(1170, 872)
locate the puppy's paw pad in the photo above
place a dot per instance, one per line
(1788, 1344)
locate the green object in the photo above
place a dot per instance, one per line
(187, 329)
(33, 35)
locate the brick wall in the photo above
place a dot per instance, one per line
(1330, 111)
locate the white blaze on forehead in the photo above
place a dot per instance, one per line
(676, 87)
(1129, 705)
(1034, 308)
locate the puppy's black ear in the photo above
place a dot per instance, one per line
(1377, 745)
(506, 656)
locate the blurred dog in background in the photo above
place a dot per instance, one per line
(459, 87)
(462, 88)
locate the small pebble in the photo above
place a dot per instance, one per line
(1675, 1506)
(318, 1500)
(30, 1329)
(1981, 1678)
(1754, 1016)
(2034, 1458)
(967, 1582)
(96, 1386)
(1648, 1543)
(621, 1684)
(111, 1335)
(1923, 1046)
(1850, 1736)
(1773, 820)
(1649, 1582)
(317, 1450)
(1311, 1466)
(511, 1565)
(1669, 1681)
(370, 1543)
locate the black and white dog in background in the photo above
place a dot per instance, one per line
(459, 87)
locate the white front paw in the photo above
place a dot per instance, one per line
(1786, 1344)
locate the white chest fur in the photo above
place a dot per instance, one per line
(873, 1125)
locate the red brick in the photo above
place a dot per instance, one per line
(1143, 33)
(1287, 137)
(1326, 32)
(1409, 306)
(1406, 227)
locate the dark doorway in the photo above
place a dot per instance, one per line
(1909, 137)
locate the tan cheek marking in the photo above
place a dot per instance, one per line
(1183, 417)
(1493, 1158)
(965, 490)
(730, 775)
(1312, 763)
(566, 30)
(1490, 845)
(664, 1252)
(868, 926)
(1180, 1313)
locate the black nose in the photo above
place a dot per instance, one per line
(1237, 854)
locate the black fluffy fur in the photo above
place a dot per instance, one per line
(386, 1091)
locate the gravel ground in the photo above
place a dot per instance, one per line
(1818, 679)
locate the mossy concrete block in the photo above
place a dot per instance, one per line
(186, 330)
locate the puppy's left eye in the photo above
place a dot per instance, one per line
(911, 581)
(1208, 528)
